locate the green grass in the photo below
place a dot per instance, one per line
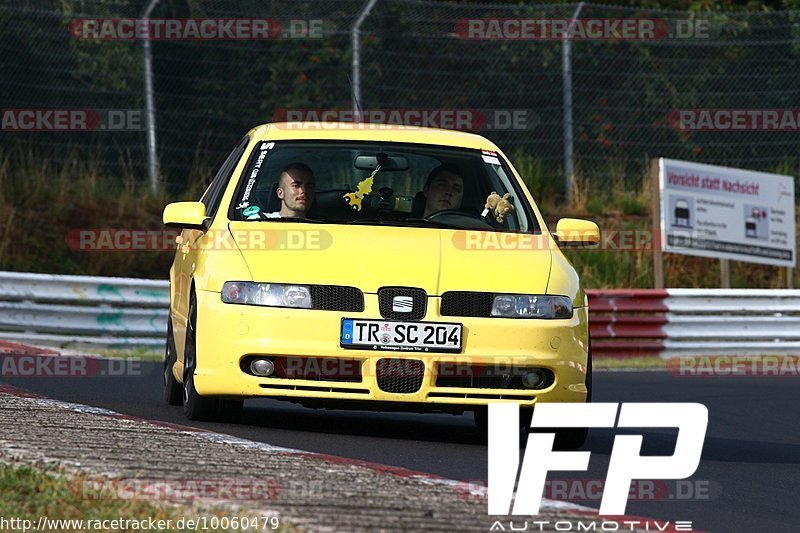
(548, 192)
(143, 354)
(628, 363)
(28, 493)
(43, 203)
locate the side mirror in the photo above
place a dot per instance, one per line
(185, 215)
(577, 232)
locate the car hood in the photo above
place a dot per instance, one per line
(370, 257)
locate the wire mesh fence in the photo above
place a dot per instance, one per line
(557, 86)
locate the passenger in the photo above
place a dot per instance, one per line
(296, 191)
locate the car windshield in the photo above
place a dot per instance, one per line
(379, 184)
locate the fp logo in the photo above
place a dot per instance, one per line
(402, 304)
(625, 464)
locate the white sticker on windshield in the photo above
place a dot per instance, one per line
(252, 180)
(491, 160)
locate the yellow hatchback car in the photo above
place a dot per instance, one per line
(373, 267)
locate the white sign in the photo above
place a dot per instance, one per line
(727, 213)
(626, 462)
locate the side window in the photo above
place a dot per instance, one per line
(213, 196)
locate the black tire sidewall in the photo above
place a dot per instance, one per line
(195, 407)
(173, 393)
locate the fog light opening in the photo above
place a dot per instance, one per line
(262, 367)
(534, 379)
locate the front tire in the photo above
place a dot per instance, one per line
(195, 407)
(173, 394)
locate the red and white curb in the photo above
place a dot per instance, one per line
(17, 348)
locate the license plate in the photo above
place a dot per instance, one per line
(400, 336)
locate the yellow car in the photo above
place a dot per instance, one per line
(373, 267)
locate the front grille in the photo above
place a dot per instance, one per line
(400, 376)
(336, 298)
(462, 303)
(386, 296)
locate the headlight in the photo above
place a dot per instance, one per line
(531, 306)
(269, 294)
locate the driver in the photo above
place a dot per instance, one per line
(444, 189)
(296, 191)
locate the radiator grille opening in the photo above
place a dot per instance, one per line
(400, 376)
(336, 298)
(461, 303)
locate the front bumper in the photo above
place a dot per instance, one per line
(226, 334)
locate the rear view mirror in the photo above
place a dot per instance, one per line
(577, 232)
(387, 162)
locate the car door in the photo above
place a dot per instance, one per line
(186, 254)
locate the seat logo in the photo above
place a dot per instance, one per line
(402, 304)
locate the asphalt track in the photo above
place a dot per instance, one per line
(747, 476)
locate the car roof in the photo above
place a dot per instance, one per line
(349, 131)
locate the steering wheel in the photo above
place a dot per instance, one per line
(453, 212)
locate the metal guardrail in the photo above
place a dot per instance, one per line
(676, 322)
(79, 311)
(83, 289)
(75, 311)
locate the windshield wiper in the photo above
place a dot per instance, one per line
(410, 222)
(294, 219)
(484, 227)
(432, 223)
